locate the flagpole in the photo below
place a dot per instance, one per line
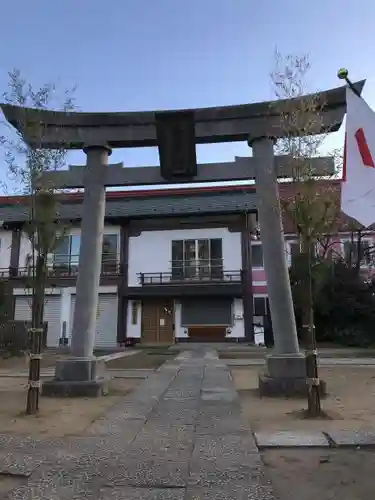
(343, 75)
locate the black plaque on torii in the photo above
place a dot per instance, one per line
(175, 132)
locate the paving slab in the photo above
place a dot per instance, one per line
(159, 448)
(177, 404)
(141, 494)
(164, 430)
(116, 355)
(12, 464)
(234, 446)
(360, 437)
(180, 434)
(221, 426)
(107, 427)
(253, 492)
(222, 473)
(213, 395)
(357, 362)
(287, 439)
(26, 444)
(150, 473)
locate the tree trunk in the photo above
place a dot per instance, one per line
(313, 397)
(39, 291)
(39, 282)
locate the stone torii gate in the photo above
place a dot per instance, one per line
(176, 134)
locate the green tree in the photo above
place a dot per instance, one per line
(311, 205)
(345, 306)
(26, 166)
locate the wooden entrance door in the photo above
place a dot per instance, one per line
(157, 321)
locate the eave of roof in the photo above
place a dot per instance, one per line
(142, 193)
(148, 193)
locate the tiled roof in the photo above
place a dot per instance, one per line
(133, 205)
(167, 202)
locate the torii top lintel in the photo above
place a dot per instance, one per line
(73, 130)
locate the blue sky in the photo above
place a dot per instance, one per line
(148, 54)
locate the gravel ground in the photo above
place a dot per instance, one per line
(350, 403)
(321, 474)
(57, 417)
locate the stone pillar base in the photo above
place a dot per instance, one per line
(78, 377)
(285, 376)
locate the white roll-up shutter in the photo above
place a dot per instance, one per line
(52, 314)
(52, 311)
(23, 308)
(106, 320)
(72, 307)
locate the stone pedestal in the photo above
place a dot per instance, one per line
(285, 375)
(78, 377)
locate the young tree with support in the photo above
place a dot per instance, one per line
(25, 167)
(311, 205)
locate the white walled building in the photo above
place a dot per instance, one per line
(177, 266)
(171, 271)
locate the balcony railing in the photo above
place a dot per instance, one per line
(201, 274)
(67, 269)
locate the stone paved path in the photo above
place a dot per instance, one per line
(328, 362)
(179, 436)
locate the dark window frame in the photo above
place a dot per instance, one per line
(207, 261)
(69, 259)
(259, 258)
(134, 313)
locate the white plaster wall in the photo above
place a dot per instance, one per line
(134, 330)
(5, 246)
(238, 327)
(151, 252)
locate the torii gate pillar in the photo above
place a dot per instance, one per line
(285, 371)
(84, 374)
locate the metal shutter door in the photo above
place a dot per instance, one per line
(23, 309)
(106, 320)
(52, 310)
(212, 311)
(52, 314)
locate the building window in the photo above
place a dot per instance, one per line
(134, 312)
(109, 253)
(351, 249)
(257, 255)
(261, 306)
(293, 249)
(66, 255)
(197, 259)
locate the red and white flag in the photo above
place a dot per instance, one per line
(358, 186)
